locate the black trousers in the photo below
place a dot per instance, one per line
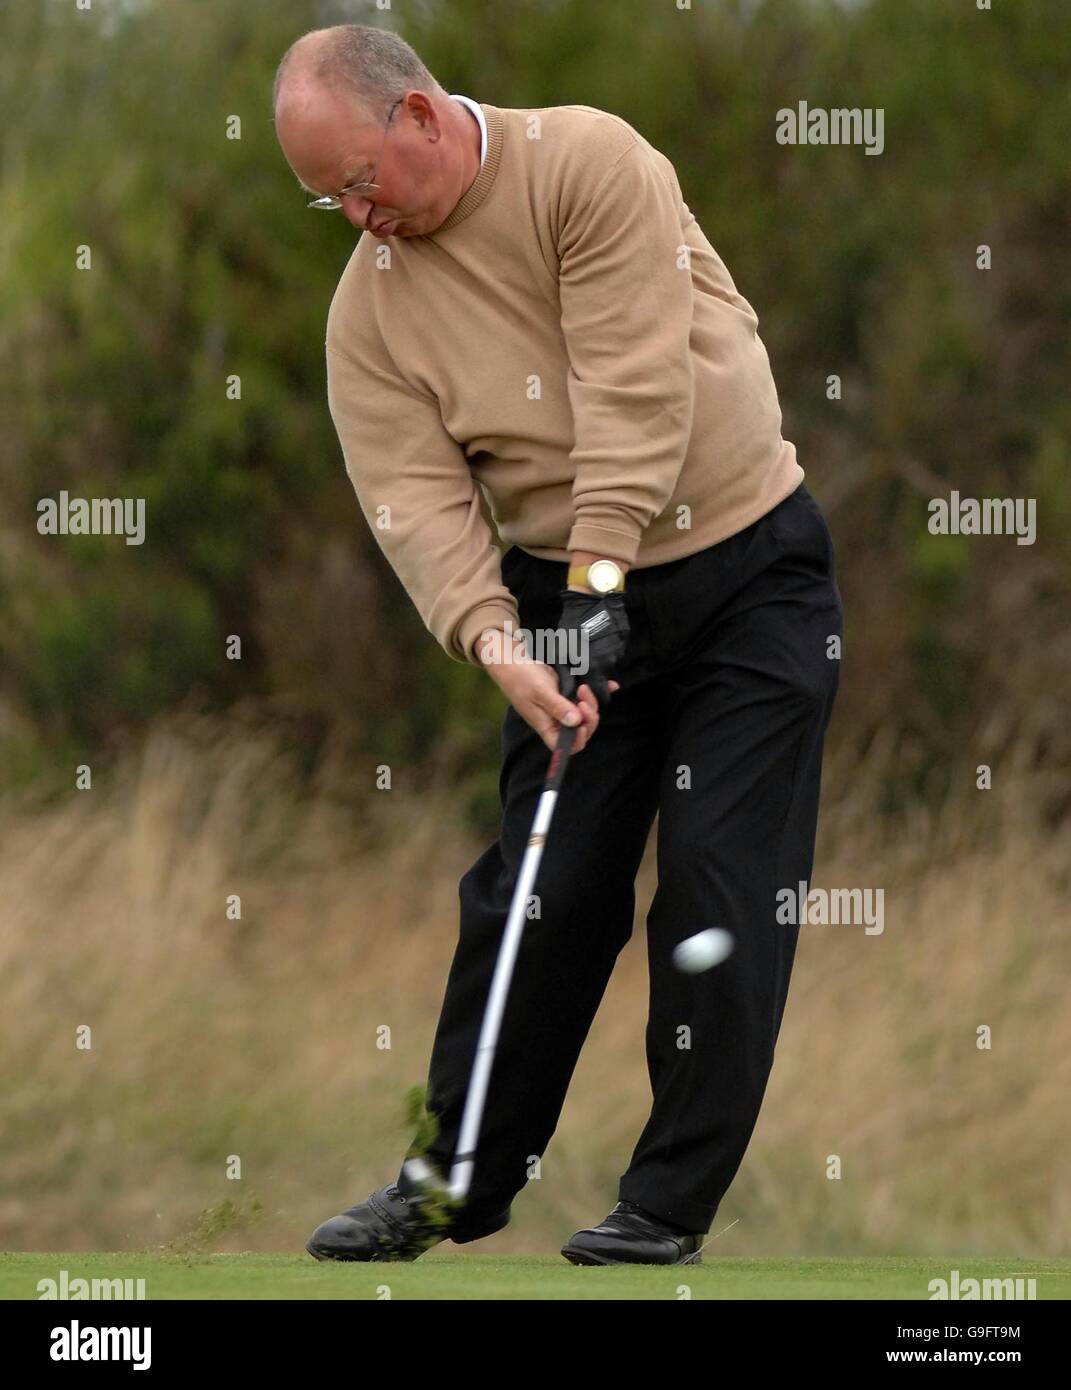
(726, 690)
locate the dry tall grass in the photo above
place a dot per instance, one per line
(258, 1037)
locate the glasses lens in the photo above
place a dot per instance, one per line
(325, 203)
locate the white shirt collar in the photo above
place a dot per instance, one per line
(477, 111)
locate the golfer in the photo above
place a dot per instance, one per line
(535, 320)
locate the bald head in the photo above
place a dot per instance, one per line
(371, 66)
(300, 73)
(360, 118)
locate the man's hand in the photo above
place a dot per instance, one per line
(533, 690)
(600, 627)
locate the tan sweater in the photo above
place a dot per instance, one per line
(568, 341)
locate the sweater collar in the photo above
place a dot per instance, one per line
(481, 185)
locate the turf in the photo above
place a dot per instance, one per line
(442, 1275)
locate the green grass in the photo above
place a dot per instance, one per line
(503, 1277)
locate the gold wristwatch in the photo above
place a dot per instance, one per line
(603, 576)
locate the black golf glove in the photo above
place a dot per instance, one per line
(602, 629)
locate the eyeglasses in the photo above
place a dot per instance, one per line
(331, 203)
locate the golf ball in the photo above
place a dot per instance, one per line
(418, 1170)
(700, 952)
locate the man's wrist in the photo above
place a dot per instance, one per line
(496, 648)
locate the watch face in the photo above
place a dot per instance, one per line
(603, 575)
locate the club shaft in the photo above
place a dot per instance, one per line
(464, 1158)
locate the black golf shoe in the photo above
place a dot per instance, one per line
(630, 1235)
(389, 1226)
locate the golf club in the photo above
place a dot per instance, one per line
(417, 1168)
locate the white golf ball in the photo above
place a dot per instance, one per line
(700, 952)
(418, 1169)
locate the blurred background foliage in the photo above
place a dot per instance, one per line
(206, 264)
